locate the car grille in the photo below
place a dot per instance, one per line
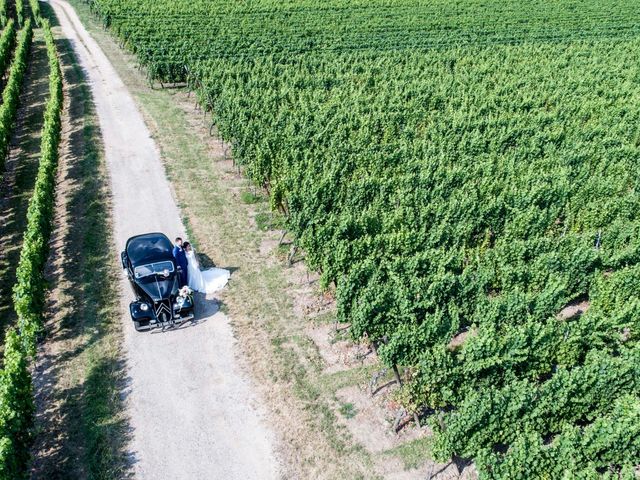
(163, 311)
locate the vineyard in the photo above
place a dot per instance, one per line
(464, 175)
(16, 396)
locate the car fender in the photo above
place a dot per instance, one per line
(138, 314)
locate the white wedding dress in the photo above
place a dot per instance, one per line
(207, 281)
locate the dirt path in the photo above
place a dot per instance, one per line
(192, 411)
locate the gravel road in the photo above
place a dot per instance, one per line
(192, 410)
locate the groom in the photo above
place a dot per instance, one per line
(181, 259)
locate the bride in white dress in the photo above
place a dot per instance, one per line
(204, 281)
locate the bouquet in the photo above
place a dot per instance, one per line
(183, 294)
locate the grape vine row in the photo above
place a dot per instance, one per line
(11, 92)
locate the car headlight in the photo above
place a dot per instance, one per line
(144, 307)
(180, 301)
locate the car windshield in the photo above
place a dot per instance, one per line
(163, 268)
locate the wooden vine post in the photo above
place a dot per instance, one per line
(396, 374)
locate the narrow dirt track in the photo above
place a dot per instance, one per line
(192, 411)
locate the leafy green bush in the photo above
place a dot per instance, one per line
(35, 12)
(7, 41)
(16, 409)
(11, 93)
(20, 12)
(3, 13)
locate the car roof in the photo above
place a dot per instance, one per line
(148, 248)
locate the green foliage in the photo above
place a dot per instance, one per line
(610, 444)
(7, 41)
(16, 410)
(3, 13)
(11, 93)
(35, 12)
(201, 30)
(21, 14)
(461, 171)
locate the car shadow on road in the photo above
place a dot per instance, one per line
(205, 309)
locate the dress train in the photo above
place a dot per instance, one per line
(205, 281)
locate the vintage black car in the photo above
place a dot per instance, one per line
(155, 279)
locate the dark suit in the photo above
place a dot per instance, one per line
(181, 259)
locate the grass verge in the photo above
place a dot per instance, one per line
(412, 453)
